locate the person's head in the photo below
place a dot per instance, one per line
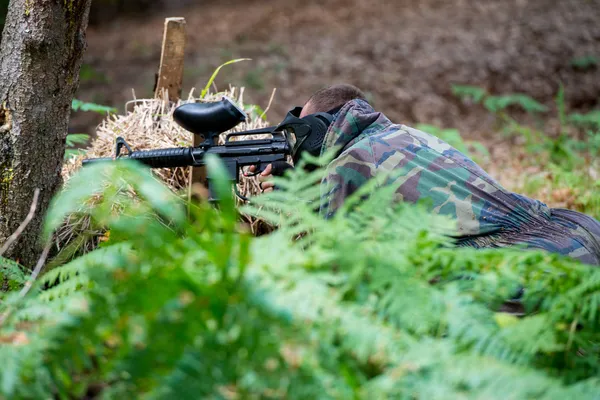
(330, 98)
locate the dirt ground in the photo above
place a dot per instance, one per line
(404, 54)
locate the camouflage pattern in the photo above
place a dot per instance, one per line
(425, 167)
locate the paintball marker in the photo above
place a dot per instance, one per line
(210, 120)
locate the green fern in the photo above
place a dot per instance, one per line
(469, 93)
(12, 274)
(589, 120)
(495, 104)
(585, 62)
(73, 140)
(374, 303)
(79, 105)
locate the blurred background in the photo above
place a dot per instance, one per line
(405, 54)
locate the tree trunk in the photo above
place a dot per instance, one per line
(40, 58)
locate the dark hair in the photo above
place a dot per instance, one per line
(332, 97)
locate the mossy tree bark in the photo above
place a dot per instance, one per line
(40, 58)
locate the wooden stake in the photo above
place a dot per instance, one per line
(170, 73)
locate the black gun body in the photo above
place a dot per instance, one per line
(210, 120)
(243, 153)
(234, 154)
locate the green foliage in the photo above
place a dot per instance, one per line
(498, 103)
(589, 120)
(570, 161)
(255, 111)
(469, 93)
(374, 303)
(75, 139)
(582, 184)
(495, 104)
(585, 62)
(12, 275)
(216, 72)
(78, 105)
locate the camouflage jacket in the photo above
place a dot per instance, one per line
(486, 214)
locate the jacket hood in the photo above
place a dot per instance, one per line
(354, 118)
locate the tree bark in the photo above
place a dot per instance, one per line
(40, 58)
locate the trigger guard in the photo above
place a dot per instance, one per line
(259, 170)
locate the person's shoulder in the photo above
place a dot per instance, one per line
(373, 143)
(357, 158)
(360, 148)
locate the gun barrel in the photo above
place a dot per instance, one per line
(159, 158)
(165, 158)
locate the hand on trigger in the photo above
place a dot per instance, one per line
(264, 178)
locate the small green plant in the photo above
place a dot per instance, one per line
(252, 109)
(570, 162)
(496, 104)
(469, 93)
(75, 139)
(216, 72)
(78, 105)
(255, 111)
(590, 120)
(585, 62)
(583, 186)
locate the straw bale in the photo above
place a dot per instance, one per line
(150, 125)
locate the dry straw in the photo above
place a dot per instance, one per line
(150, 125)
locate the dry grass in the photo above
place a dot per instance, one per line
(149, 125)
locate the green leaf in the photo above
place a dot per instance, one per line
(222, 184)
(585, 62)
(157, 194)
(12, 271)
(78, 105)
(498, 103)
(73, 152)
(255, 111)
(86, 183)
(590, 119)
(96, 179)
(214, 75)
(466, 92)
(77, 138)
